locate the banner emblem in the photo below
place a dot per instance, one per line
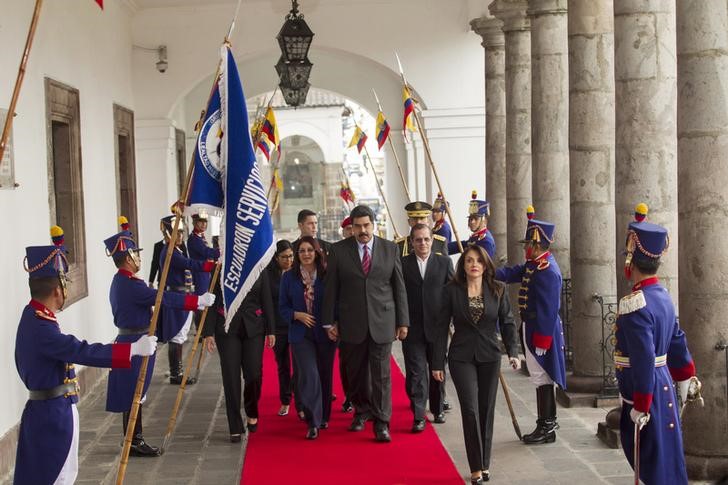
(209, 145)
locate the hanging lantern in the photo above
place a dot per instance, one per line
(294, 74)
(295, 36)
(294, 97)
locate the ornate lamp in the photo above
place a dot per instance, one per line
(293, 67)
(295, 36)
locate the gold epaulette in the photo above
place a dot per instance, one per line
(543, 264)
(438, 237)
(632, 302)
(403, 238)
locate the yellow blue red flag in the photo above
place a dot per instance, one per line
(409, 111)
(382, 130)
(358, 140)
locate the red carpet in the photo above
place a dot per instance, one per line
(279, 453)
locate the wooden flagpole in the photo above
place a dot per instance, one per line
(379, 186)
(394, 151)
(426, 144)
(177, 208)
(19, 80)
(188, 366)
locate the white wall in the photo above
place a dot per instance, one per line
(87, 48)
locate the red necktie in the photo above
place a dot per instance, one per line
(366, 260)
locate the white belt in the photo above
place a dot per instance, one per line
(623, 361)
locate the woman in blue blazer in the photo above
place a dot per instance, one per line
(300, 303)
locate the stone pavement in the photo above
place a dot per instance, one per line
(200, 453)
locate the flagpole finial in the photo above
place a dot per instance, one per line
(379, 105)
(401, 71)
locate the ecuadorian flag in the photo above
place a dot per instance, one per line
(358, 140)
(382, 130)
(409, 111)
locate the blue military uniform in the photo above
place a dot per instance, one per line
(539, 299)
(198, 249)
(650, 352)
(483, 237)
(441, 227)
(131, 304)
(45, 357)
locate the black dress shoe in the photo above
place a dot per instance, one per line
(252, 427)
(486, 476)
(190, 381)
(446, 406)
(324, 425)
(140, 448)
(357, 424)
(347, 407)
(312, 434)
(476, 481)
(235, 438)
(381, 434)
(176, 380)
(418, 426)
(439, 419)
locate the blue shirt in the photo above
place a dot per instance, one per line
(369, 245)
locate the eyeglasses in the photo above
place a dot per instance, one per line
(420, 240)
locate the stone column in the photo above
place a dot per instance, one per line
(591, 169)
(495, 128)
(517, 35)
(550, 120)
(646, 128)
(702, 126)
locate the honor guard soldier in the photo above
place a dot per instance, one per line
(175, 322)
(419, 213)
(650, 352)
(131, 304)
(200, 250)
(441, 226)
(478, 213)
(45, 357)
(347, 230)
(539, 299)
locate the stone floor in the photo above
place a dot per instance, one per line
(199, 452)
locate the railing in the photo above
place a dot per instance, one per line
(608, 305)
(565, 313)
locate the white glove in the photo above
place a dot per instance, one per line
(145, 346)
(638, 417)
(515, 362)
(205, 300)
(689, 389)
(540, 351)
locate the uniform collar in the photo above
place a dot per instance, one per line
(126, 273)
(653, 280)
(481, 232)
(541, 257)
(41, 310)
(198, 233)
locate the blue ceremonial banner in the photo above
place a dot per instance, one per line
(206, 186)
(247, 237)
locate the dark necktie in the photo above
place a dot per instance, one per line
(366, 260)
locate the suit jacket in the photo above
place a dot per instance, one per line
(474, 341)
(270, 291)
(291, 300)
(249, 317)
(375, 303)
(424, 297)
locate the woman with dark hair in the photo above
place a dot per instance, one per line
(281, 262)
(300, 304)
(476, 303)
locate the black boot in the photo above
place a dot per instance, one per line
(546, 424)
(174, 354)
(138, 446)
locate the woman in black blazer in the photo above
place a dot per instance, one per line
(476, 304)
(241, 348)
(300, 303)
(281, 262)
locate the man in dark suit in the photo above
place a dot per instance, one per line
(364, 281)
(308, 225)
(425, 276)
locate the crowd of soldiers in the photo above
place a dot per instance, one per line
(357, 295)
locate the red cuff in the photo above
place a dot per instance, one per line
(683, 373)
(208, 266)
(642, 402)
(121, 356)
(542, 341)
(190, 303)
